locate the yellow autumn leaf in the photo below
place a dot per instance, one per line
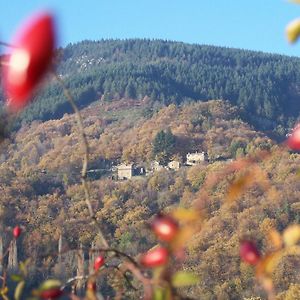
(268, 285)
(268, 263)
(19, 290)
(50, 284)
(183, 237)
(90, 295)
(183, 214)
(3, 291)
(275, 239)
(293, 30)
(291, 235)
(236, 189)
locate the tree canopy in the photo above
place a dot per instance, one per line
(263, 86)
(164, 146)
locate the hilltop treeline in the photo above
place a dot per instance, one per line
(264, 86)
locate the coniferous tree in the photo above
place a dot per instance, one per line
(163, 146)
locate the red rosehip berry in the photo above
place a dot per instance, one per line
(29, 60)
(17, 231)
(293, 141)
(51, 293)
(165, 228)
(98, 263)
(249, 252)
(156, 257)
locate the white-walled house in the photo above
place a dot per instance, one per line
(196, 158)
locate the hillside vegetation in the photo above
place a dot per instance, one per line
(265, 87)
(41, 190)
(123, 131)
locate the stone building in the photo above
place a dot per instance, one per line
(196, 158)
(156, 166)
(124, 171)
(174, 165)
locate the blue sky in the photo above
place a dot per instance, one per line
(248, 24)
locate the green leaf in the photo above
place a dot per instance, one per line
(50, 284)
(158, 294)
(3, 291)
(16, 277)
(182, 278)
(23, 266)
(19, 290)
(162, 294)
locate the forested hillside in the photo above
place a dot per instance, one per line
(124, 131)
(41, 191)
(265, 87)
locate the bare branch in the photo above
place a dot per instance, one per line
(71, 280)
(136, 272)
(85, 146)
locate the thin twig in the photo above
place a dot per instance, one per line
(131, 265)
(119, 254)
(85, 145)
(136, 272)
(70, 280)
(126, 278)
(116, 252)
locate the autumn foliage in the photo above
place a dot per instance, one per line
(194, 231)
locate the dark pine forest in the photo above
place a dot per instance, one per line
(265, 87)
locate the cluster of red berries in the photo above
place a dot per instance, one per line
(30, 59)
(166, 229)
